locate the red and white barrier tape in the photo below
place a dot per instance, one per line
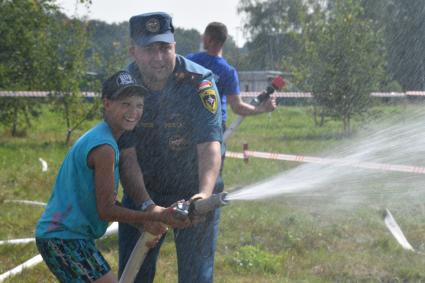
(280, 94)
(415, 93)
(243, 94)
(327, 161)
(41, 94)
(310, 95)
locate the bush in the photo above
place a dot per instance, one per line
(254, 259)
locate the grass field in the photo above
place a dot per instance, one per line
(278, 240)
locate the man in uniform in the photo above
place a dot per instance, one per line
(177, 145)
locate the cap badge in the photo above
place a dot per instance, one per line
(152, 25)
(124, 79)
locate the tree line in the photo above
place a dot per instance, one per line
(340, 50)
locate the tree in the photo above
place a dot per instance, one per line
(107, 47)
(188, 40)
(41, 49)
(405, 38)
(270, 25)
(69, 43)
(23, 54)
(342, 61)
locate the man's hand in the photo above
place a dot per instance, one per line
(197, 218)
(198, 196)
(267, 105)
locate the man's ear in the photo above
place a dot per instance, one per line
(131, 50)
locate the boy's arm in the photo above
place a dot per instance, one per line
(131, 176)
(102, 160)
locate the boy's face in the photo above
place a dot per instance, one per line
(124, 113)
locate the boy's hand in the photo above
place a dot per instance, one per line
(155, 228)
(168, 216)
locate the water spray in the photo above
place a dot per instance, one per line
(182, 210)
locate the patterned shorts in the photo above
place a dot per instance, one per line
(73, 260)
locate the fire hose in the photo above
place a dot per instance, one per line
(276, 84)
(140, 250)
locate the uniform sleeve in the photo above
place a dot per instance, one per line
(128, 139)
(207, 112)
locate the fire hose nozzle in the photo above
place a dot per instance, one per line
(203, 206)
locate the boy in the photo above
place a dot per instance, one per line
(83, 199)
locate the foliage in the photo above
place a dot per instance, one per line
(107, 47)
(69, 73)
(254, 259)
(402, 23)
(42, 50)
(23, 57)
(270, 25)
(404, 29)
(187, 41)
(342, 61)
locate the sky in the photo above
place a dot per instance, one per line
(186, 13)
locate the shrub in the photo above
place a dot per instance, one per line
(254, 259)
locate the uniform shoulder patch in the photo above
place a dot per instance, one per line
(208, 95)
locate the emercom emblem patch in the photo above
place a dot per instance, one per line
(208, 96)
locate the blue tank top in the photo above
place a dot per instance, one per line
(71, 211)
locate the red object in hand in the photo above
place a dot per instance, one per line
(278, 83)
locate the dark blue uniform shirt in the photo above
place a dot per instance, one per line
(185, 113)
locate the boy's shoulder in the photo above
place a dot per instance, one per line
(98, 134)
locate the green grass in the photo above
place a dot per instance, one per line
(281, 240)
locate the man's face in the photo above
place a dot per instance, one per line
(156, 61)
